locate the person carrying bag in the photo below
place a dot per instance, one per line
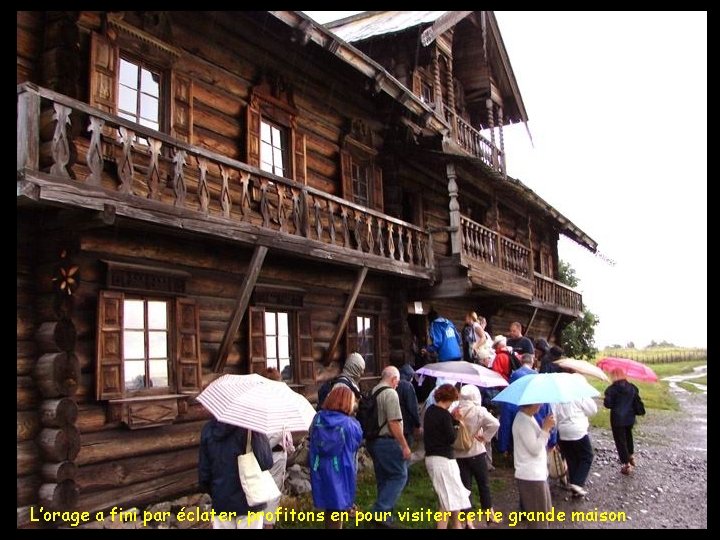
(258, 485)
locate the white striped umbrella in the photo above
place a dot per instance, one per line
(257, 403)
(463, 372)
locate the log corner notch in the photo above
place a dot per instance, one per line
(349, 305)
(243, 299)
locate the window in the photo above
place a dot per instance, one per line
(362, 336)
(139, 93)
(427, 95)
(277, 343)
(273, 142)
(366, 341)
(360, 173)
(361, 183)
(281, 338)
(146, 332)
(273, 148)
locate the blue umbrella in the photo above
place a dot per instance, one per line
(547, 388)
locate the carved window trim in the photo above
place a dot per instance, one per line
(358, 151)
(137, 278)
(147, 407)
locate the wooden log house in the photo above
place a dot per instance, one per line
(217, 192)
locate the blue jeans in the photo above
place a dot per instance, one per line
(391, 472)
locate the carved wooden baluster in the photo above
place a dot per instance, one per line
(304, 217)
(126, 169)
(401, 244)
(264, 203)
(357, 233)
(94, 153)
(225, 201)
(296, 209)
(465, 234)
(153, 174)
(410, 246)
(346, 229)
(60, 144)
(420, 252)
(179, 178)
(331, 220)
(318, 219)
(391, 241)
(369, 234)
(379, 239)
(203, 190)
(245, 191)
(281, 210)
(475, 244)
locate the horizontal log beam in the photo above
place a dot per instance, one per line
(59, 444)
(28, 425)
(142, 493)
(61, 496)
(58, 412)
(117, 444)
(123, 472)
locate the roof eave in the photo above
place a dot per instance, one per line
(384, 81)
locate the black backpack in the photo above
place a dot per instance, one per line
(367, 414)
(515, 362)
(325, 388)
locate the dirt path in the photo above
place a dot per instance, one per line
(668, 488)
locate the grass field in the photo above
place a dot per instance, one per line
(649, 355)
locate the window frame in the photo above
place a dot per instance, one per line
(285, 138)
(352, 332)
(171, 331)
(291, 337)
(162, 98)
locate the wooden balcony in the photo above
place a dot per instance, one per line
(480, 243)
(493, 261)
(557, 296)
(470, 140)
(71, 154)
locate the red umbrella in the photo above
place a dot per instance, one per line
(633, 369)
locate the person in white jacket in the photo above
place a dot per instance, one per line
(472, 462)
(573, 424)
(530, 457)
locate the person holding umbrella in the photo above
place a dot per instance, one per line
(220, 445)
(530, 460)
(620, 398)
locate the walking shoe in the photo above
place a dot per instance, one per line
(632, 460)
(578, 490)
(626, 469)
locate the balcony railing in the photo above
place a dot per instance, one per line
(139, 167)
(473, 142)
(483, 244)
(553, 292)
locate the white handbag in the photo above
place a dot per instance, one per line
(259, 486)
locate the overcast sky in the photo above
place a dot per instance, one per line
(618, 114)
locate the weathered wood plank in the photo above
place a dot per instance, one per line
(123, 472)
(117, 444)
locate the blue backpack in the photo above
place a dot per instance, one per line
(326, 442)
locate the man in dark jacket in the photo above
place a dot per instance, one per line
(220, 445)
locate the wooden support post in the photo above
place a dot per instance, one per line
(246, 290)
(552, 332)
(491, 126)
(359, 280)
(527, 328)
(28, 130)
(455, 235)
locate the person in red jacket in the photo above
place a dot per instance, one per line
(502, 357)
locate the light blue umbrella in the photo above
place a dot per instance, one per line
(547, 388)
